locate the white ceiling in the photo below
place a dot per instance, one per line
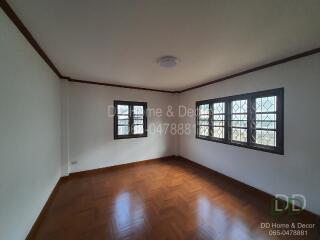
(118, 41)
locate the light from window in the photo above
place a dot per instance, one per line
(130, 119)
(123, 119)
(218, 119)
(239, 111)
(253, 120)
(266, 121)
(137, 119)
(204, 120)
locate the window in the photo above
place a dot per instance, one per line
(218, 121)
(239, 120)
(204, 120)
(253, 120)
(265, 129)
(130, 119)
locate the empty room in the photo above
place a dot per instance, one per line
(159, 119)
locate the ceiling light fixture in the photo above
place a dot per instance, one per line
(167, 61)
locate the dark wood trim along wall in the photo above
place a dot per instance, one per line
(35, 227)
(243, 186)
(43, 213)
(271, 64)
(117, 85)
(26, 33)
(23, 29)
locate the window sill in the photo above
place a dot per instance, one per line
(130, 136)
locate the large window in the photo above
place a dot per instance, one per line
(253, 120)
(130, 119)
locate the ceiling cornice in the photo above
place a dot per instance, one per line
(26, 33)
(271, 64)
(116, 85)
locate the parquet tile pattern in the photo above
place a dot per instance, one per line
(160, 199)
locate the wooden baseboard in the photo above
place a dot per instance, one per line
(40, 218)
(120, 166)
(31, 235)
(226, 178)
(266, 197)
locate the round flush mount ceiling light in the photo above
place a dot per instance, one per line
(167, 61)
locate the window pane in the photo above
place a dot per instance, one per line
(204, 130)
(204, 109)
(137, 121)
(137, 109)
(267, 121)
(218, 108)
(218, 117)
(239, 134)
(239, 106)
(123, 122)
(123, 109)
(218, 132)
(218, 123)
(204, 117)
(266, 104)
(123, 117)
(239, 120)
(266, 117)
(266, 137)
(138, 129)
(218, 120)
(123, 130)
(204, 120)
(138, 116)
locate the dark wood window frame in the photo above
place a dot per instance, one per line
(251, 114)
(130, 104)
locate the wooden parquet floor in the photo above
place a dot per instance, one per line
(160, 199)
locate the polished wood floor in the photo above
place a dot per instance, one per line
(160, 199)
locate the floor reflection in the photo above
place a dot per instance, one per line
(128, 214)
(215, 223)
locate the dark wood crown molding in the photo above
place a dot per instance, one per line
(116, 85)
(26, 33)
(271, 64)
(23, 29)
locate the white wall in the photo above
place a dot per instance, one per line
(91, 142)
(30, 162)
(298, 171)
(34, 154)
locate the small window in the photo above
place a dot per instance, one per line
(130, 119)
(253, 120)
